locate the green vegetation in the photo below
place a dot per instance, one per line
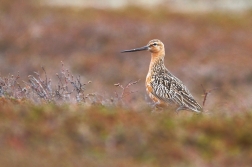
(75, 135)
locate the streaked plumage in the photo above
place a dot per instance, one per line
(161, 85)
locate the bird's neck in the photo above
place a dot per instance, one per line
(157, 62)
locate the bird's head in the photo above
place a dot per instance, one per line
(154, 46)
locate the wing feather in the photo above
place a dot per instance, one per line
(167, 87)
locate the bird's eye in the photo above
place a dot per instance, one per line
(155, 44)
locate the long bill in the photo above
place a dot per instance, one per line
(135, 50)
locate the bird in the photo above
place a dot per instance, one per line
(161, 85)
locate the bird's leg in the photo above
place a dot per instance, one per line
(181, 108)
(157, 107)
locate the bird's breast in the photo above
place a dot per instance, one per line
(148, 82)
(149, 89)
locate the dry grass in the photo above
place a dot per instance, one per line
(54, 115)
(212, 50)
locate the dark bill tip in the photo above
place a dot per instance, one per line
(135, 50)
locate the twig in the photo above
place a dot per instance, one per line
(206, 93)
(124, 88)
